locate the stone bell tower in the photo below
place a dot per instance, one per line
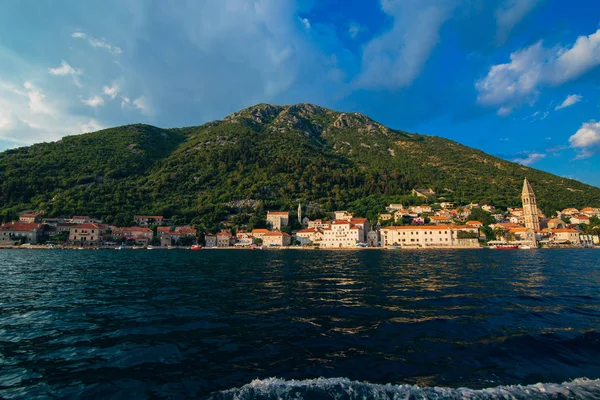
(530, 210)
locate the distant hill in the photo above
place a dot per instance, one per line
(273, 155)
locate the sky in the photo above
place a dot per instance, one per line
(518, 79)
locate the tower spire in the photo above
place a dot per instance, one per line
(530, 210)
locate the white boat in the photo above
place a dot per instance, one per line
(150, 247)
(121, 247)
(524, 247)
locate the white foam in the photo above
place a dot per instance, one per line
(343, 388)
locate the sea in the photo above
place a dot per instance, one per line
(300, 324)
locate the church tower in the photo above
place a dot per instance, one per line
(530, 210)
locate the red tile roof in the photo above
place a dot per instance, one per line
(277, 233)
(20, 226)
(86, 226)
(307, 230)
(260, 230)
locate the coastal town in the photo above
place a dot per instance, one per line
(440, 225)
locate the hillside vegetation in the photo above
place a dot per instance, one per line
(273, 155)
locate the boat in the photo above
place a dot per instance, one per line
(121, 247)
(506, 247)
(524, 247)
(150, 248)
(196, 247)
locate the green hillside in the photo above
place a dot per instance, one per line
(273, 155)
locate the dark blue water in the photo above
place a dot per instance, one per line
(183, 324)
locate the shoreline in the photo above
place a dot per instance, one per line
(42, 247)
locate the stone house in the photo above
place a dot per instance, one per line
(276, 239)
(13, 232)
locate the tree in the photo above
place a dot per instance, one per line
(488, 232)
(498, 233)
(478, 214)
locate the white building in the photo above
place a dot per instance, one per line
(427, 236)
(277, 219)
(309, 235)
(341, 234)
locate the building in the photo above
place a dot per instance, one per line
(341, 234)
(13, 232)
(86, 234)
(172, 236)
(385, 217)
(225, 238)
(373, 239)
(53, 221)
(258, 234)
(28, 218)
(556, 223)
(569, 212)
(343, 215)
(580, 219)
(244, 238)
(427, 236)
(135, 234)
(81, 219)
(147, 220)
(424, 208)
(530, 210)
(309, 235)
(475, 224)
(276, 239)
(565, 236)
(591, 212)
(523, 236)
(210, 240)
(364, 225)
(446, 205)
(437, 220)
(318, 223)
(394, 207)
(277, 219)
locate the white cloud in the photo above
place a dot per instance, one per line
(504, 111)
(37, 100)
(305, 22)
(64, 70)
(111, 91)
(124, 101)
(569, 101)
(95, 101)
(510, 14)
(587, 139)
(528, 159)
(394, 59)
(142, 103)
(96, 42)
(30, 115)
(91, 126)
(518, 82)
(354, 29)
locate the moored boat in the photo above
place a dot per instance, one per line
(196, 247)
(506, 247)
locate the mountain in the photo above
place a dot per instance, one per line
(271, 155)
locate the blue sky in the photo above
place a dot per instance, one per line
(515, 78)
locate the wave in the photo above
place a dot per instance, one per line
(343, 388)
